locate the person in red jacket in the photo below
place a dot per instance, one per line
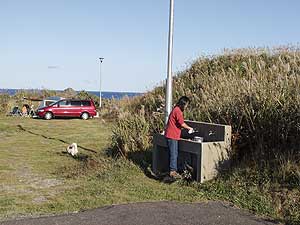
(173, 132)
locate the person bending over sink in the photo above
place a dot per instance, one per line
(173, 132)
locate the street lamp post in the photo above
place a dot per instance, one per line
(100, 99)
(169, 68)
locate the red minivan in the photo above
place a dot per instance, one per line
(69, 108)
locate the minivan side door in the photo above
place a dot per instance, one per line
(62, 109)
(75, 108)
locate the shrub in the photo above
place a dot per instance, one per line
(136, 140)
(4, 103)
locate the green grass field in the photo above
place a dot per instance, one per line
(37, 177)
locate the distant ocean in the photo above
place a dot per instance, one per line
(104, 94)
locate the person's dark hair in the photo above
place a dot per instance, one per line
(182, 102)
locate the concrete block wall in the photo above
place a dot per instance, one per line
(211, 156)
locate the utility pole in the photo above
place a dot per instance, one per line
(100, 99)
(169, 68)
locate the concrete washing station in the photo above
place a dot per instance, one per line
(206, 158)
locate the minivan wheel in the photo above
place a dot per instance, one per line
(48, 116)
(85, 116)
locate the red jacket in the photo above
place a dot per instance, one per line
(173, 129)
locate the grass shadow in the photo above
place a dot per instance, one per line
(143, 159)
(52, 138)
(86, 164)
(79, 157)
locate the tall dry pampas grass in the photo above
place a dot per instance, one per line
(256, 91)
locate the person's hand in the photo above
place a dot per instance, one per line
(191, 131)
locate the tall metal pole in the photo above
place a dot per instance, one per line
(100, 99)
(169, 69)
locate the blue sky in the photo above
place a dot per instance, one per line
(56, 44)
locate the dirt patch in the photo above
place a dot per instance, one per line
(39, 183)
(39, 200)
(26, 176)
(27, 182)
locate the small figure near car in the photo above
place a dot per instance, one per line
(25, 110)
(15, 111)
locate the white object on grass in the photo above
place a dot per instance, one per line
(72, 149)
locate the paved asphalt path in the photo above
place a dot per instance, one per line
(153, 213)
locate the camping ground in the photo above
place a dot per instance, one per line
(37, 177)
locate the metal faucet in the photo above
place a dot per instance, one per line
(211, 133)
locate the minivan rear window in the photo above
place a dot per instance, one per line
(86, 103)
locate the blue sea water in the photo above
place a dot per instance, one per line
(104, 94)
(116, 95)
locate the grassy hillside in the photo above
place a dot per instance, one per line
(257, 92)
